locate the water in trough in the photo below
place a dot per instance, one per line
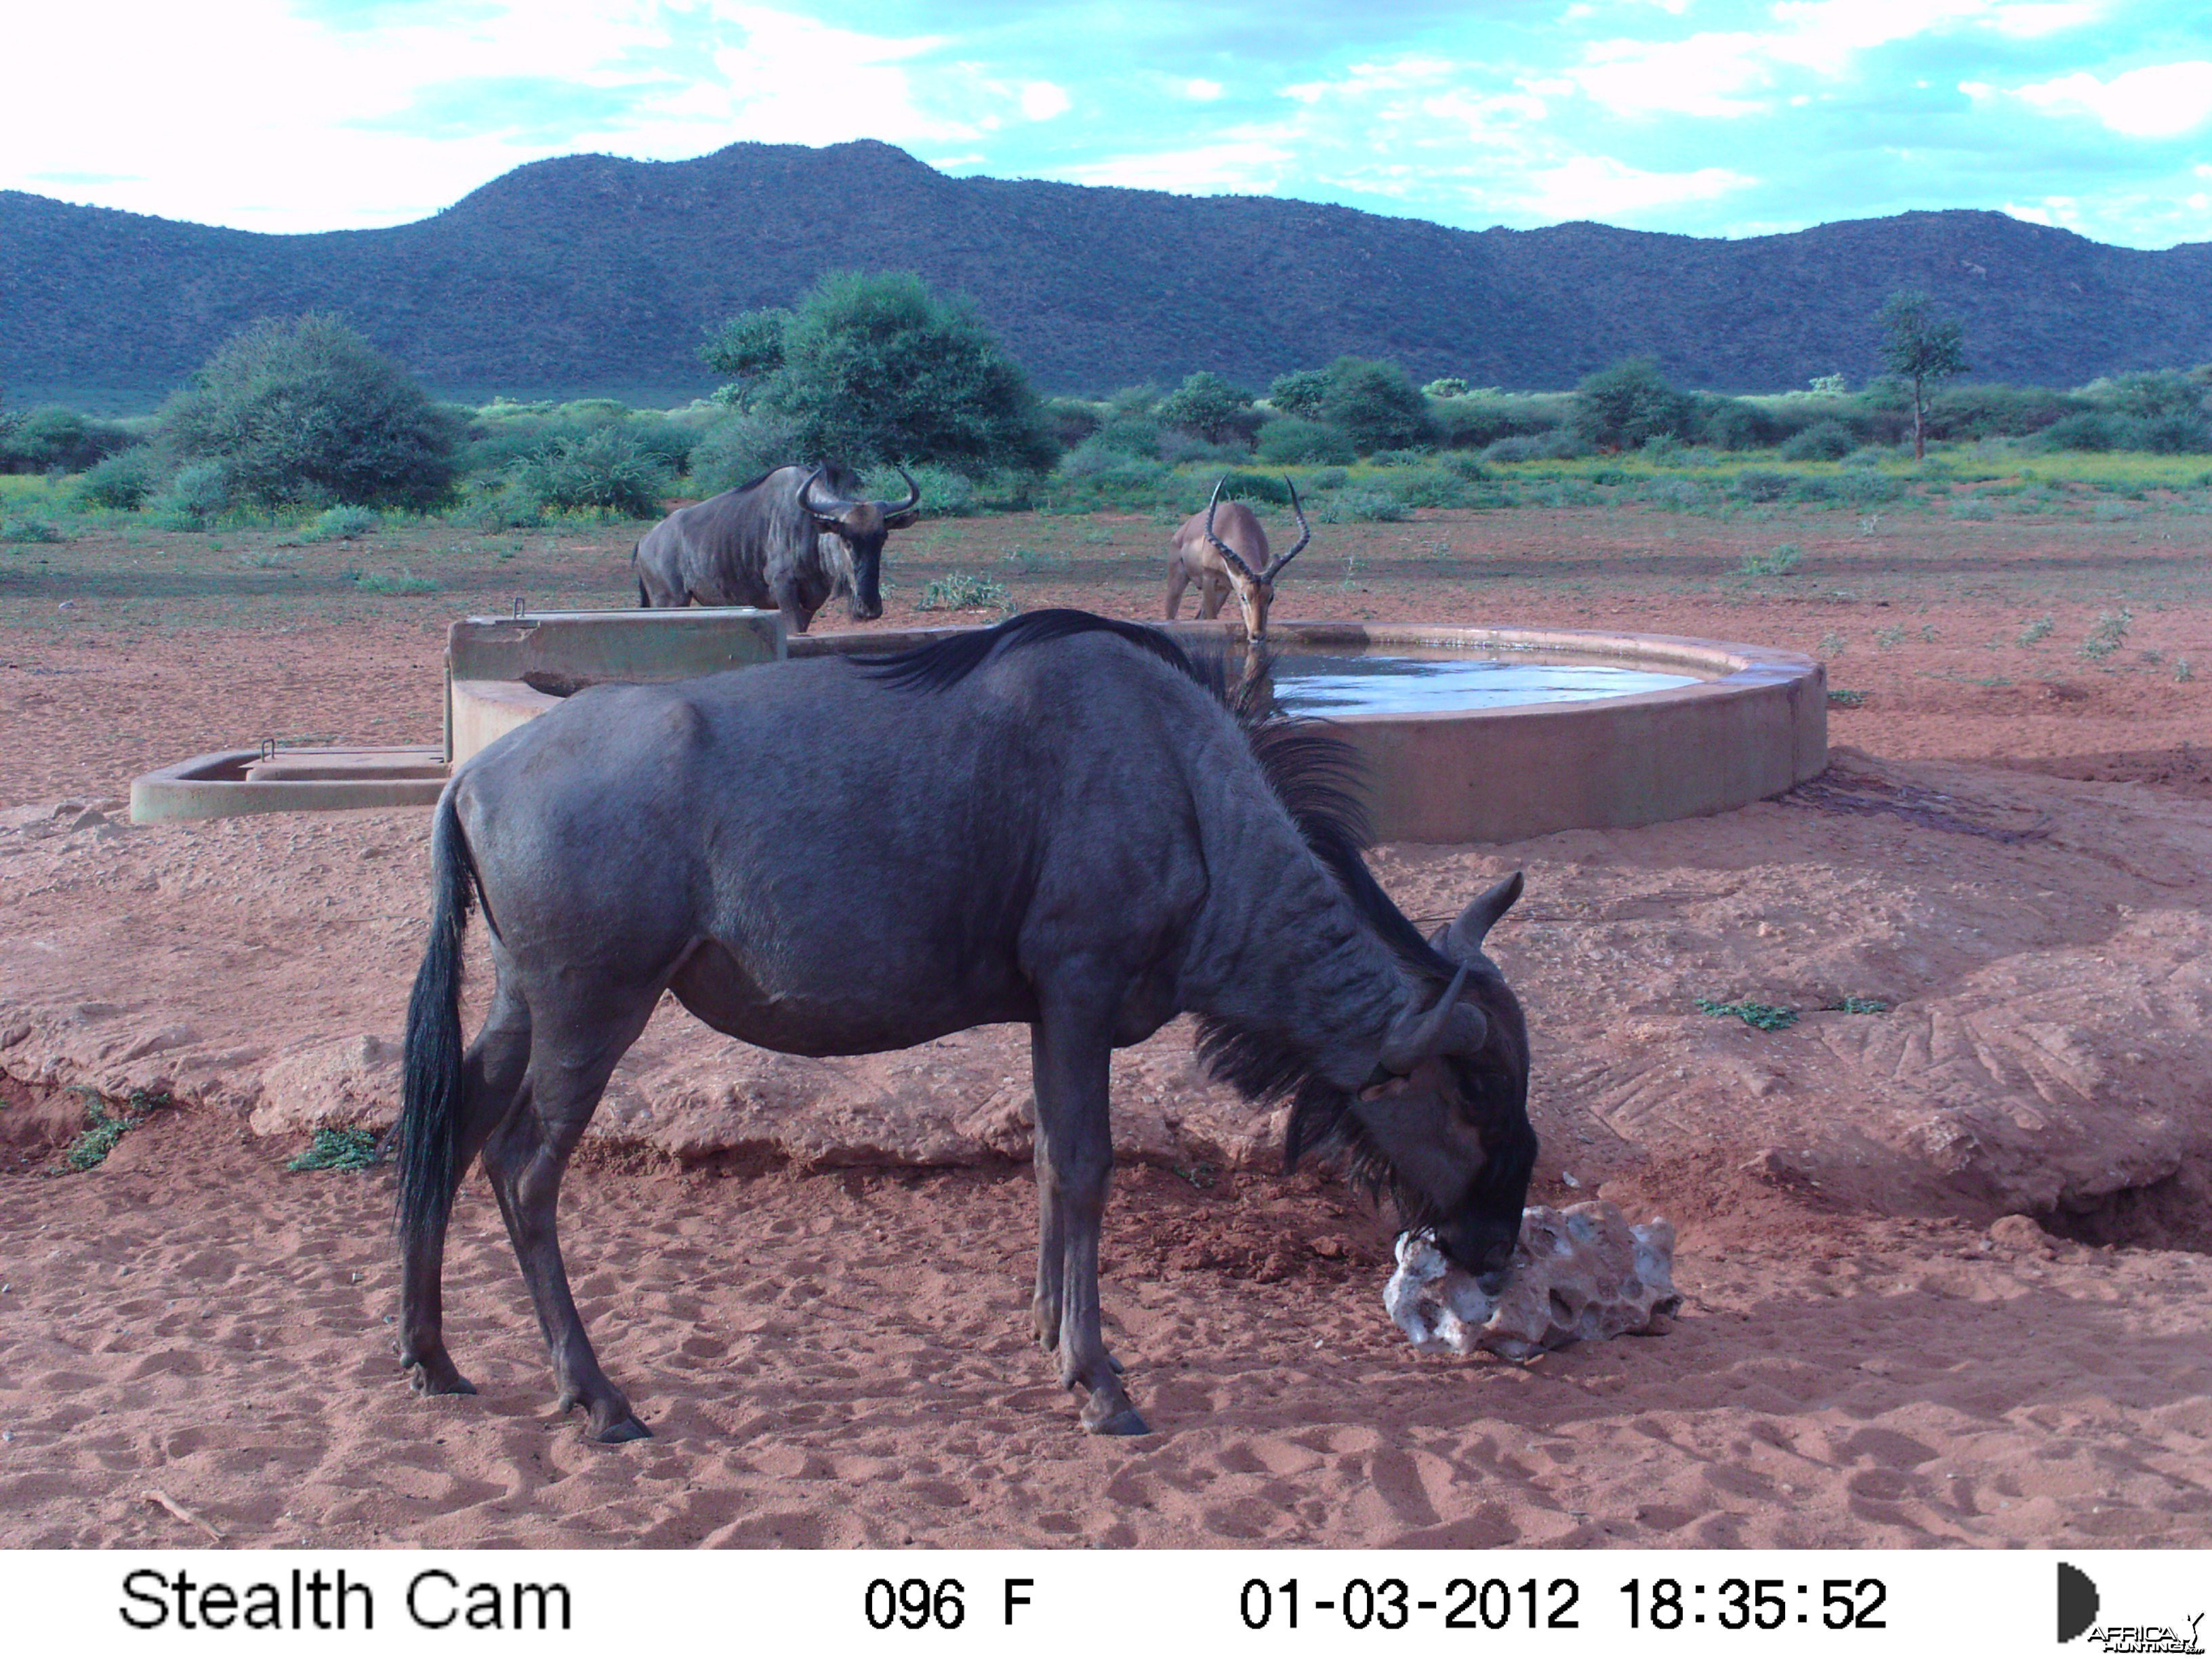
(1403, 683)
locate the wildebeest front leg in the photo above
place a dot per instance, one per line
(1052, 1248)
(1071, 1052)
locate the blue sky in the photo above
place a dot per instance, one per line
(1706, 117)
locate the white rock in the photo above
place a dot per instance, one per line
(1579, 1274)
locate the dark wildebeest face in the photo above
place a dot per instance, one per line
(861, 525)
(1449, 1113)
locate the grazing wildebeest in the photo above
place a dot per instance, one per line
(782, 542)
(1223, 562)
(1084, 838)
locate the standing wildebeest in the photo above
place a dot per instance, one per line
(1083, 838)
(1220, 563)
(774, 543)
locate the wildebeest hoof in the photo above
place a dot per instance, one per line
(426, 1378)
(620, 1433)
(1126, 1421)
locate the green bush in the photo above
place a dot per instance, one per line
(609, 473)
(2150, 394)
(875, 367)
(27, 527)
(50, 438)
(2087, 431)
(123, 481)
(341, 523)
(404, 581)
(742, 448)
(1450, 386)
(306, 411)
(1300, 392)
(1376, 405)
(1294, 440)
(1366, 505)
(1733, 424)
(1628, 405)
(958, 591)
(194, 495)
(1208, 407)
(337, 1149)
(1757, 484)
(1476, 423)
(1070, 421)
(1255, 487)
(1829, 441)
(1560, 444)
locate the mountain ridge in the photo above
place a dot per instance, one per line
(592, 274)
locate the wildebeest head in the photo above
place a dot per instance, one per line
(1256, 591)
(861, 525)
(1447, 1108)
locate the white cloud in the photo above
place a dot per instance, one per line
(1706, 74)
(1601, 187)
(1253, 164)
(1201, 92)
(1042, 100)
(2163, 101)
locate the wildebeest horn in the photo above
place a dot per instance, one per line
(912, 495)
(840, 506)
(1462, 941)
(1450, 1025)
(1305, 532)
(1220, 546)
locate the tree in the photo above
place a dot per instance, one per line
(1300, 392)
(1376, 405)
(748, 348)
(1627, 406)
(1208, 407)
(304, 411)
(1919, 349)
(873, 367)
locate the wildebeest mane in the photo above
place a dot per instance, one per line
(1316, 775)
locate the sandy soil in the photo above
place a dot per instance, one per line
(838, 1357)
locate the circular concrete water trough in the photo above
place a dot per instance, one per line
(1728, 724)
(1744, 723)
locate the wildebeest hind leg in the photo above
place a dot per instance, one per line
(491, 1079)
(1071, 1052)
(525, 1158)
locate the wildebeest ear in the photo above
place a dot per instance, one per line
(1463, 939)
(901, 520)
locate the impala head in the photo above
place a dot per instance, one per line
(1255, 590)
(862, 526)
(1444, 1121)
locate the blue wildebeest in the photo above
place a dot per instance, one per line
(782, 543)
(1084, 837)
(1234, 557)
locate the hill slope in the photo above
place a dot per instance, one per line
(590, 273)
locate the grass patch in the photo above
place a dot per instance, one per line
(958, 591)
(104, 1129)
(2037, 631)
(1759, 1016)
(338, 1149)
(2106, 636)
(1780, 562)
(1843, 699)
(1856, 1005)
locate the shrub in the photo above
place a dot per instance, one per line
(27, 527)
(123, 481)
(1255, 487)
(1465, 466)
(1293, 440)
(337, 1149)
(406, 581)
(1755, 484)
(306, 410)
(609, 472)
(1070, 421)
(1300, 392)
(52, 438)
(1376, 405)
(1829, 441)
(194, 495)
(1560, 444)
(2174, 433)
(341, 523)
(741, 448)
(1731, 423)
(1432, 486)
(1367, 505)
(1208, 407)
(877, 367)
(1628, 405)
(2150, 394)
(1991, 411)
(1450, 386)
(1471, 422)
(2091, 432)
(944, 494)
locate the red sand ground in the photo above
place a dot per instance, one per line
(839, 1359)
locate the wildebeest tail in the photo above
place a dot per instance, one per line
(644, 599)
(430, 1099)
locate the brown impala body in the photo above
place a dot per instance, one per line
(1223, 549)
